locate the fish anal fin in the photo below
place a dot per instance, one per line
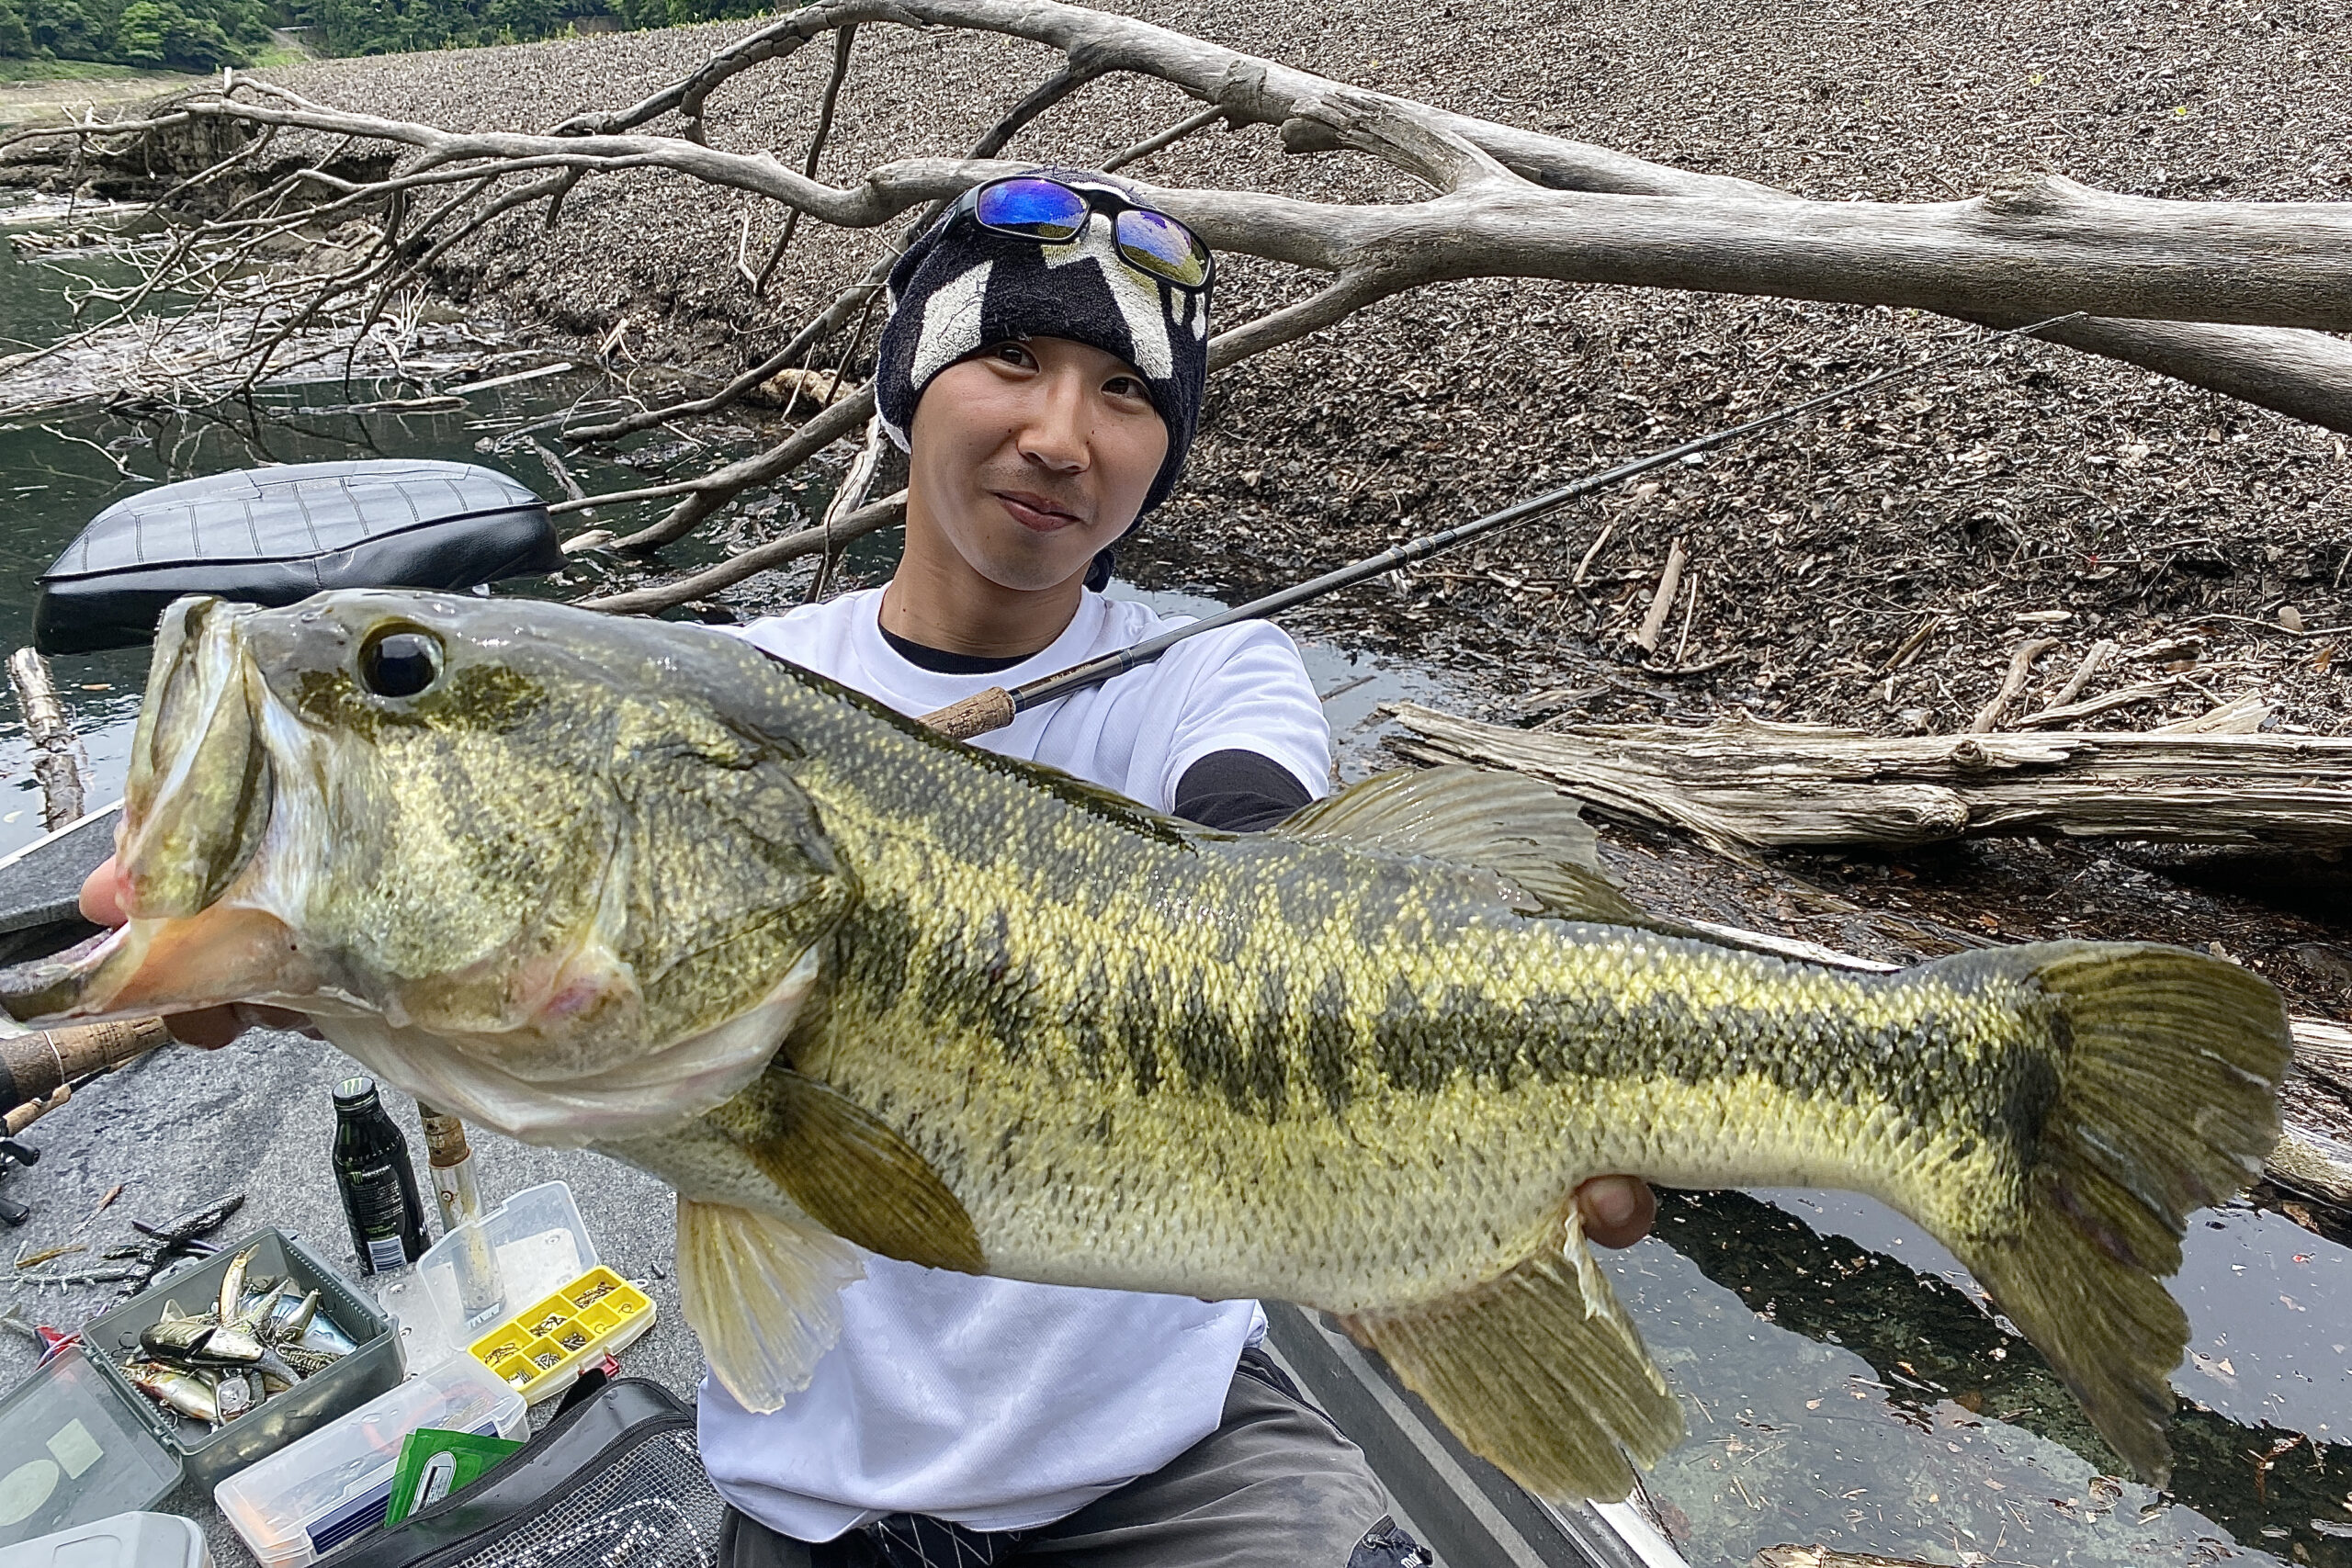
(763, 1294)
(1538, 1370)
(851, 1172)
(1522, 830)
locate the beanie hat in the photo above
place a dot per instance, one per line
(960, 288)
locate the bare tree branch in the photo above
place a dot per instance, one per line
(843, 42)
(2049, 247)
(888, 513)
(860, 295)
(1163, 141)
(2235, 296)
(712, 490)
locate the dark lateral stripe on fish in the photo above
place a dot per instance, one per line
(1276, 1055)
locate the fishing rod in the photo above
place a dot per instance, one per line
(997, 706)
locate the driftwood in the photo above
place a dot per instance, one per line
(1745, 784)
(57, 760)
(1828, 1557)
(2238, 297)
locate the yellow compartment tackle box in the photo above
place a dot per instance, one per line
(540, 1350)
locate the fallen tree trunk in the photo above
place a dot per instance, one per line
(1745, 785)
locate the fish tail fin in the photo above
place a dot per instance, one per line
(2166, 1065)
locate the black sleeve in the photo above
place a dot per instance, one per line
(1240, 792)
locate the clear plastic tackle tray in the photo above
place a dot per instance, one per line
(309, 1497)
(122, 1541)
(73, 1448)
(487, 1270)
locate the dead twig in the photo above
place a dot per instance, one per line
(2123, 696)
(58, 764)
(1584, 565)
(2021, 669)
(843, 42)
(2101, 651)
(1164, 139)
(557, 466)
(888, 513)
(1689, 609)
(1669, 583)
(847, 498)
(1909, 648)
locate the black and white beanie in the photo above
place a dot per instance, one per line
(961, 288)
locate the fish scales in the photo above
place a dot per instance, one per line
(838, 980)
(1243, 1031)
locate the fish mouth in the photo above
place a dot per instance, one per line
(195, 809)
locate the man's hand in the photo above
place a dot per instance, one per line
(103, 897)
(1617, 1210)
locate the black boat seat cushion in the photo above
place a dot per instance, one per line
(276, 535)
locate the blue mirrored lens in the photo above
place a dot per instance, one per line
(1163, 247)
(1039, 209)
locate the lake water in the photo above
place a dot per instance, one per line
(1842, 1382)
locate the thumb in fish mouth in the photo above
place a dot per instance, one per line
(218, 955)
(105, 901)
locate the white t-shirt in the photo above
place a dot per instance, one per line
(999, 1403)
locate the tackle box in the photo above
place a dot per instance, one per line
(74, 1449)
(476, 1275)
(206, 1457)
(124, 1541)
(541, 1349)
(310, 1496)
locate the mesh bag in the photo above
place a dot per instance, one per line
(647, 1505)
(615, 1481)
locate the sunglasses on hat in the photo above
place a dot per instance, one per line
(1031, 206)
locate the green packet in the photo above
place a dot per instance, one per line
(434, 1463)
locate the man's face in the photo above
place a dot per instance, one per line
(1031, 456)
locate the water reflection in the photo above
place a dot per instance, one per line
(1838, 1393)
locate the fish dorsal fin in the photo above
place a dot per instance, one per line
(1525, 832)
(850, 1172)
(763, 1294)
(1539, 1370)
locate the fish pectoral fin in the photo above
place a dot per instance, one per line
(1540, 1371)
(1524, 831)
(851, 1172)
(763, 1294)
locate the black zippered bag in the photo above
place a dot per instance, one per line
(617, 1477)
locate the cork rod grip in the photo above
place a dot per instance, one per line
(32, 1066)
(976, 715)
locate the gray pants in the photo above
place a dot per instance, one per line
(1276, 1485)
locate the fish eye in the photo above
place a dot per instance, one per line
(399, 661)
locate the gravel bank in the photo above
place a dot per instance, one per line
(2140, 509)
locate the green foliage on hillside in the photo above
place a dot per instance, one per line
(203, 35)
(180, 35)
(380, 27)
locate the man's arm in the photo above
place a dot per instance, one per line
(1239, 792)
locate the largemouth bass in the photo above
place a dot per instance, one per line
(836, 979)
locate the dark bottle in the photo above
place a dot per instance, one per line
(378, 1183)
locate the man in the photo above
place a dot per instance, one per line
(1043, 366)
